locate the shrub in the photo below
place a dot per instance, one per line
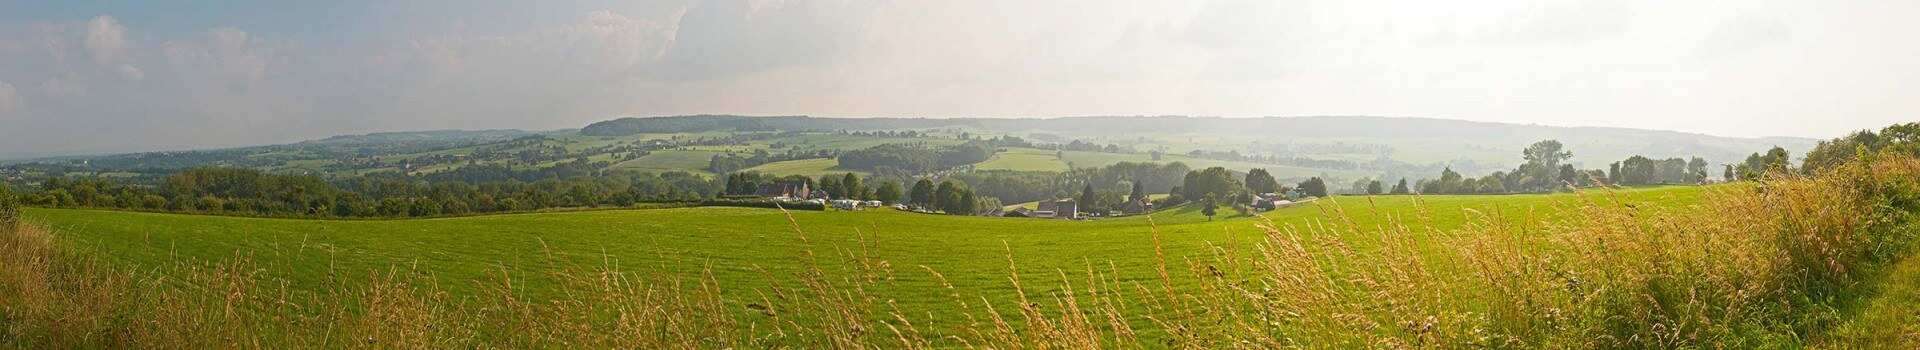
(9, 209)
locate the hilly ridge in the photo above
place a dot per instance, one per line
(1337, 147)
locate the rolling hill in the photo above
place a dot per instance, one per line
(1341, 150)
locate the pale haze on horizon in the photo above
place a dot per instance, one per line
(117, 76)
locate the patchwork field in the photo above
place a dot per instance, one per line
(671, 160)
(1023, 159)
(816, 167)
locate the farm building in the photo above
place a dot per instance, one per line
(1136, 206)
(785, 190)
(1057, 209)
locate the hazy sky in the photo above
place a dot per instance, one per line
(92, 76)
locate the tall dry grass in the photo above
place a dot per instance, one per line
(1766, 265)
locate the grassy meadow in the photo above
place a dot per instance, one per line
(692, 161)
(815, 167)
(738, 248)
(1023, 159)
(1744, 265)
(732, 240)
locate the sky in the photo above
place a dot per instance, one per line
(83, 76)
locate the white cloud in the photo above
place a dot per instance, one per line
(129, 72)
(9, 98)
(224, 53)
(1744, 34)
(106, 40)
(1639, 63)
(63, 86)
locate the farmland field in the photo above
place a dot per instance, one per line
(959, 175)
(735, 242)
(671, 160)
(810, 167)
(1023, 159)
(847, 142)
(1592, 268)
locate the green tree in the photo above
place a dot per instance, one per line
(1778, 160)
(1139, 192)
(1374, 187)
(1638, 170)
(1697, 169)
(1089, 200)
(1215, 181)
(854, 189)
(1450, 182)
(154, 202)
(1314, 186)
(983, 204)
(1613, 173)
(1547, 154)
(889, 192)
(1753, 167)
(922, 194)
(1259, 181)
(954, 198)
(833, 186)
(1401, 188)
(1208, 207)
(1568, 175)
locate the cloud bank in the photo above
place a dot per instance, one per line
(132, 78)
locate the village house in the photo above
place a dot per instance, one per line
(1270, 201)
(785, 190)
(1057, 209)
(1136, 206)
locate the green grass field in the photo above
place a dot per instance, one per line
(850, 142)
(671, 160)
(810, 167)
(1023, 159)
(735, 242)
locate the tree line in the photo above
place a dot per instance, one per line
(236, 191)
(1898, 139)
(916, 158)
(949, 196)
(730, 162)
(1544, 172)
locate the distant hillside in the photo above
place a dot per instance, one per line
(1335, 147)
(424, 136)
(1410, 139)
(272, 156)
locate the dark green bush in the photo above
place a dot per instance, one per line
(9, 209)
